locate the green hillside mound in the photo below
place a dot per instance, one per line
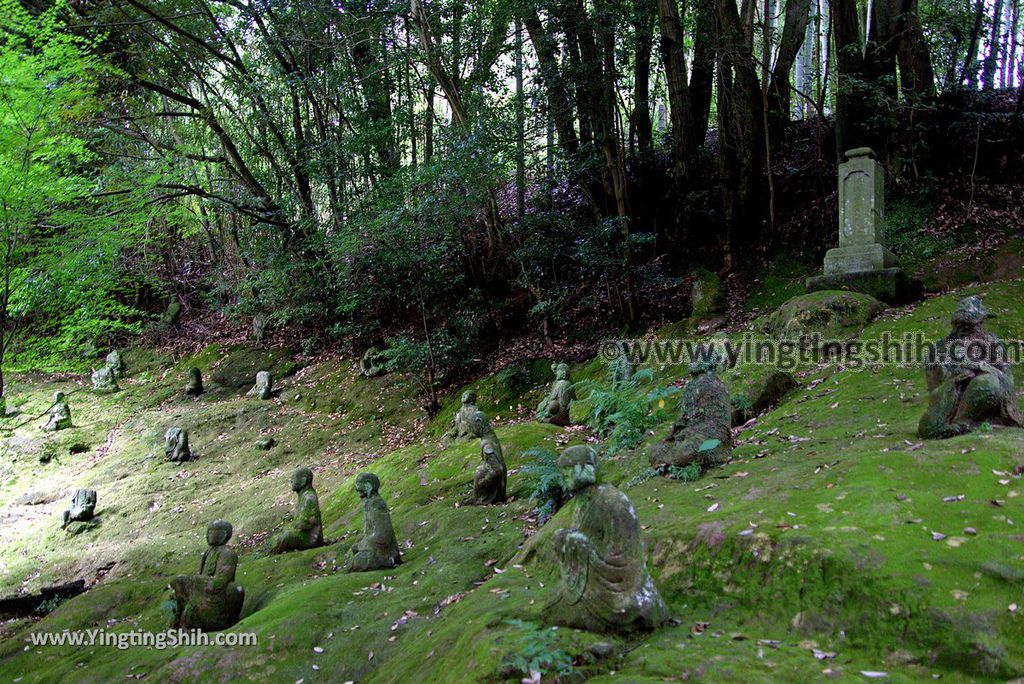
(835, 542)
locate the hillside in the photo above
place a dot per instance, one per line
(818, 535)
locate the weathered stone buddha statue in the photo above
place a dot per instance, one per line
(702, 433)
(970, 379)
(604, 586)
(83, 507)
(103, 381)
(194, 386)
(622, 367)
(176, 445)
(304, 531)
(460, 428)
(491, 476)
(378, 547)
(554, 408)
(210, 601)
(60, 414)
(116, 364)
(263, 388)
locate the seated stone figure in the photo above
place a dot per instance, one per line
(176, 447)
(705, 420)
(60, 414)
(969, 381)
(460, 428)
(194, 386)
(378, 547)
(622, 368)
(103, 381)
(210, 601)
(263, 387)
(491, 476)
(604, 586)
(116, 364)
(554, 408)
(304, 531)
(83, 507)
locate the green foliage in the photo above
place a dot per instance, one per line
(536, 651)
(60, 264)
(686, 473)
(550, 490)
(625, 413)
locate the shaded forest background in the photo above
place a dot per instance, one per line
(450, 182)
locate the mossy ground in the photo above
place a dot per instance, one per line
(818, 535)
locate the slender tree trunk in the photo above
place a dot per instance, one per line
(995, 48)
(673, 55)
(643, 26)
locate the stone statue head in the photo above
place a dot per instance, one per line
(218, 533)
(58, 397)
(707, 359)
(561, 371)
(479, 424)
(970, 312)
(195, 374)
(469, 397)
(579, 465)
(367, 484)
(302, 477)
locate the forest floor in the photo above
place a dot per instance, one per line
(834, 545)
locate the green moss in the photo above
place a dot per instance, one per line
(833, 314)
(842, 558)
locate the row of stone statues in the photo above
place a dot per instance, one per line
(604, 583)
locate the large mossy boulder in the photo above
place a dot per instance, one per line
(754, 388)
(239, 365)
(831, 314)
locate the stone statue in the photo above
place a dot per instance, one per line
(305, 531)
(103, 381)
(176, 445)
(554, 408)
(194, 386)
(116, 364)
(491, 476)
(460, 422)
(259, 327)
(60, 414)
(373, 363)
(970, 380)
(604, 583)
(378, 548)
(622, 367)
(83, 507)
(702, 433)
(263, 387)
(210, 601)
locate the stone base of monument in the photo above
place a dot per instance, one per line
(856, 258)
(890, 285)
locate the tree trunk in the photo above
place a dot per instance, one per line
(673, 55)
(794, 32)
(644, 29)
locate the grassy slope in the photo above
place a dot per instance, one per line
(853, 570)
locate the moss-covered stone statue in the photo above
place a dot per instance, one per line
(264, 387)
(554, 408)
(378, 547)
(702, 434)
(491, 476)
(304, 531)
(373, 363)
(60, 414)
(116, 364)
(622, 367)
(176, 447)
(460, 428)
(210, 601)
(103, 381)
(604, 585)
(194, 386)
(969, 381)
(83, 507)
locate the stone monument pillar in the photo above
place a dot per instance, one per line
(862, 262)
